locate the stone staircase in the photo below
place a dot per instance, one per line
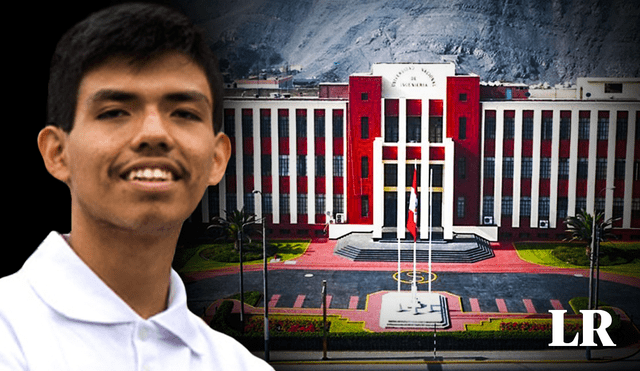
(466, 249)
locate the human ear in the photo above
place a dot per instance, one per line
(222, 152)
(51, 143)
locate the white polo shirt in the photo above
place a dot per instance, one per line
(56, 314)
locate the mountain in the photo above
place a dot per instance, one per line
(551, 41)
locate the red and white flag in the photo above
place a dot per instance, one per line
(412, 218)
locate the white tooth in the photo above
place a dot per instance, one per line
(148, 173)
(159, 174)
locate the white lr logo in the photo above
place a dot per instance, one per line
(557, 329)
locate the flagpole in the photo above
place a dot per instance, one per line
(399, 277)
(414, 286)
(430, 226)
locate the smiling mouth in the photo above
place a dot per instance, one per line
(150, 174)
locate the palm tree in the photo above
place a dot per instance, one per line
(581, 228)
(234, 222)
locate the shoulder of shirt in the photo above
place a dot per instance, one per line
(228, 347)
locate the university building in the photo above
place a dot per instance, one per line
(503, 161)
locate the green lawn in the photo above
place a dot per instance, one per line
(542, 254)
(193, 259)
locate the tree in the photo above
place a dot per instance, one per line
(235, 221)
(581, 228)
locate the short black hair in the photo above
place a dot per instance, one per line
(138, 31)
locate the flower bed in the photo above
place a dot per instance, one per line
(569, 327)
(255, 325)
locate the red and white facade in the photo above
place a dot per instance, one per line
(508, 161)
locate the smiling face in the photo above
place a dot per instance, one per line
(142, 149)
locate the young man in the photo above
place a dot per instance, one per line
(135, 111)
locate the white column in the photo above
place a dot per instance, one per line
(573, 163)
(257, 163)
(293, 167)
(497, 177)
(239, 155)
(424, 174)
(553, 181)
(311, 166)
(328, 136)
(628, 169)
(611, 161)
(535, 176)
(447, 193)
(593, 154)
(275, 166)
(402, 161)
(517, 168)
(378, 188)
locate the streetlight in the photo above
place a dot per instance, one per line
(264, 278)
(594, 256)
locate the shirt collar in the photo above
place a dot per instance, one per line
(66, 284)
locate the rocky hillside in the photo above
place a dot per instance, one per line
(551, 41)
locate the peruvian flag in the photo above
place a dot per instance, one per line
(412, 219)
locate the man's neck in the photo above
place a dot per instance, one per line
(136, 267)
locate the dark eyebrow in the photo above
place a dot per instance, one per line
(188, 96)
(112, 95)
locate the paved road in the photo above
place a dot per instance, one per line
(485, 292)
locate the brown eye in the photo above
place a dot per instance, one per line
(112, 114)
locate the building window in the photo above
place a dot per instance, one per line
(507, 167)
(231, 168)
(462, 167)
(618, 207)
(462, 97)
(283, 162)
(545, 168)
(601, 168)
(460, 207)
(509, 127)
(247, 123)
(636, 170)
(364, 96)
(338, 204)
(338, 126)
(622, 126)
(583, 125)
(391, 129)
(364, 208)
(320, 166)
(437, 174)
(249, 203)
(284, 204)
(635, 208)
(435, 130)
(526, 170)
(247, 164)
(563, 168)
(301, 165)
(364, 127)
(302, 204)
(320, 204)
(543, 207)
(265, 123)
(565, 125)
(268, 203)
(600, 204)
(489, 127)
(563, 205)
(547, 125)
(414, 129)
(487, 206)
(283, 123)
(364, 167)
(525, 206)
(229, 123)
(603, 128)
(301, 123)
(462, 128)
(319, 124)
(613, 88)
(527, 125)
(231, 201)
(265, 165)
(620, 168)
(581, 204)
(583, 168)
(390, 175)
(338, 165)
(489, 167)
(507, 206)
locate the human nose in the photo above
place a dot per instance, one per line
(152, 134)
